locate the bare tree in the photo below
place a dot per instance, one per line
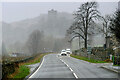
(34, 42)
(106, 22)
(105, 27)
(85, 21)
(115, 25)
(72, 33)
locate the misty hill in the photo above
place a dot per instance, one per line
(54, 24)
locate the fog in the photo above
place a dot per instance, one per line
(52, 27)
(18, 36)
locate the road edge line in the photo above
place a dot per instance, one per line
(115, 71)
(37, 69)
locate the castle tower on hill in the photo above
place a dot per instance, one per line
(52, 13)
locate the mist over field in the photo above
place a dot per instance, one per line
(51, 26)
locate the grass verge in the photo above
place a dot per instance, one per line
(116, 65)
(86, 59)
(23, 70)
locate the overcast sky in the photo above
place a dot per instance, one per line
(16, 11)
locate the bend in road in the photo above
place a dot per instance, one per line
(53, 67)
(87, 70)
(64, 67)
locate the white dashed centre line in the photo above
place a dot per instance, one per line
(75, 75)
(70, 69)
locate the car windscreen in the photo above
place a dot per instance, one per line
(63, 51)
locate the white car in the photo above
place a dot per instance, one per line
(68, 51)
(63, 53)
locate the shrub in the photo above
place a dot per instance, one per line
(107, 60)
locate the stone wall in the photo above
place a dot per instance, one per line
(96, 53)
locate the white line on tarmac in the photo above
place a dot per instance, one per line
(37, 69)
(67, 65)
(70, 69)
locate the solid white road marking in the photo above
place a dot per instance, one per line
(37, 69)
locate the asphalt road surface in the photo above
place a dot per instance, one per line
(85, 69)
(53, 66)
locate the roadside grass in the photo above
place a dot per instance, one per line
(116, 65)
(87, 59)
(37, 59)
(23, 70)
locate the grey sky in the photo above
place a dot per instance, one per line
(15, 11)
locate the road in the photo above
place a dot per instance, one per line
(85, 69)
(53, 66)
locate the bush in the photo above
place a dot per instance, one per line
(7, 69)
(107, 60)
(116, 60)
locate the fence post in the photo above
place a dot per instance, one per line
(110, 56)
